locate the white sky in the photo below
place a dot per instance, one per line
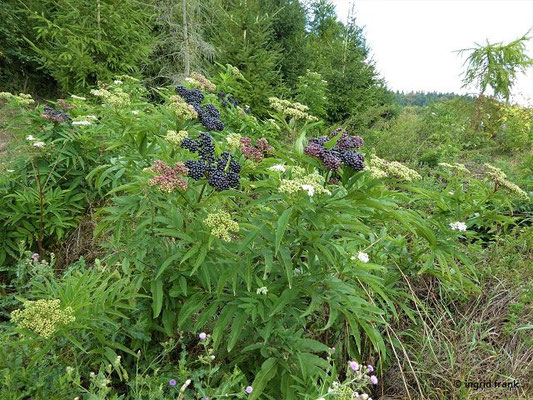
(412, 41)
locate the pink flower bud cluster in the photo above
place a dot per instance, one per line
(168, 177)
(257, 152)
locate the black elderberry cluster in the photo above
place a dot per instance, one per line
(227, 100)
(222, 172)
(342, 153)
(208, 114)
(52, 114)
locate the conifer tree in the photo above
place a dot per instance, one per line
(243, 37)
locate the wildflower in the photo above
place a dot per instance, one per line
(332, 349)
(234, 140)
(374, 380)
(84, 123)
(35, 257)
(309, 189)
(176, 137)
(117, 98)
(262, 290)
(182, 110)
(249, 389)
(185, 385)
(354, 365)
(117, 82)
(363, 257)
(221, 225)
(172, 382)
(135, 112)
(39, 144)
(69, 370)
(455, 166)
(30, 137)
(44, 317)
(257, 152)
(500, 179)
(117, 361)
(294, 110)
(458, 226)
(383, 168)
(370, 368)
(22, 99)
(202, 336)
(138, 353)
(203, 82)
(169, 177)
(277, 167)
(301, 181)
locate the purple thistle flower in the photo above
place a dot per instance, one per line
(172, 382)
(202, 336)
(354, 365)
(249, 389)
(374, 380)
(35, 257)
(370, 368)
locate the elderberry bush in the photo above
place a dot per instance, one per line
(226, 100)
(221, 172)
(54, 115)
(208, 114)
(342, 153)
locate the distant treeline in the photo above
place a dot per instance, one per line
(421, 99)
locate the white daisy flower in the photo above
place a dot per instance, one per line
(363, 257)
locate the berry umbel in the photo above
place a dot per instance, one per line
(341, 153)
(221, 172)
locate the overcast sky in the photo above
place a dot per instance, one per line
(412, 41)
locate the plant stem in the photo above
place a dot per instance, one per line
(202, 192)
(37, 175)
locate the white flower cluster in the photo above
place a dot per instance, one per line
(458, 226)
(361, 256)
(295, 110)
(278, 168)
(262, 290)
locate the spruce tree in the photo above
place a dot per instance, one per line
(243, 37)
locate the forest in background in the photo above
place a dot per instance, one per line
(222, 199)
